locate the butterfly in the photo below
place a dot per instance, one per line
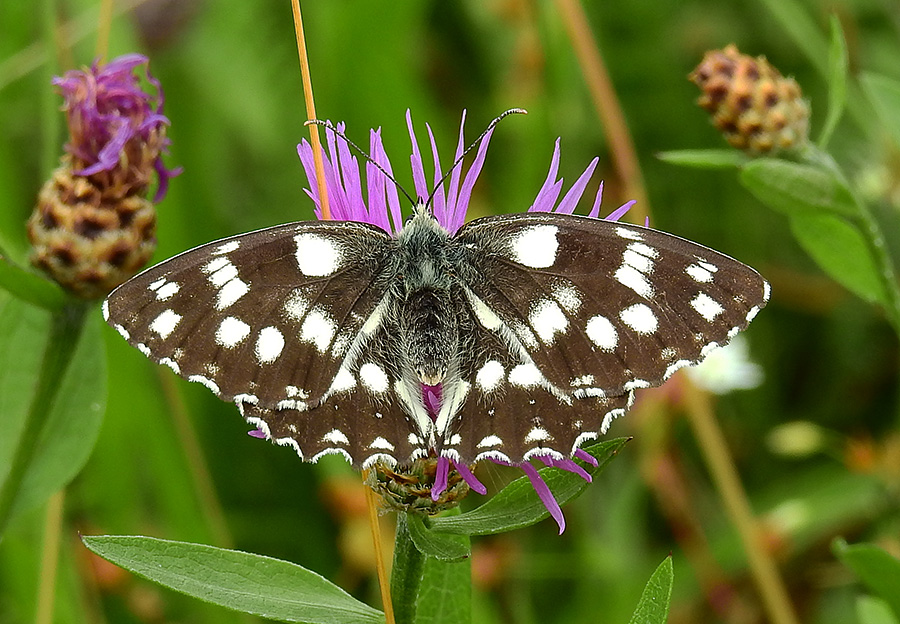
(517, 336)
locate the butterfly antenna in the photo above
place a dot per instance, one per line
(476, 142)
(330, 126)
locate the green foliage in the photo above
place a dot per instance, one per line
(878, 570)
(653, 607)
(838, 63)
(884, 93)
(273, 589)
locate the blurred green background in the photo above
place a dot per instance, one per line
(233, 95)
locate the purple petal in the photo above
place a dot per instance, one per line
(570, 200)
(256, 433)
(439, 205)
(595, 209)
(440, 477)
(465, 193)
(546, 496)
(470, 478)
(546, 197)
(415, 160)
(586, 457)
(619, 212)
(566, 464)
(455, 176)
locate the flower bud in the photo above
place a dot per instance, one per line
(93, 226)
(751, 103)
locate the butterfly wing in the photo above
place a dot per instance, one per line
(275, 320)
(587, 311)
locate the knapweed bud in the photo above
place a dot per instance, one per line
(751, 103)
(93, 226)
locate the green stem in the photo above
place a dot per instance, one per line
(873, 236)
(406, 575)
(66, 328)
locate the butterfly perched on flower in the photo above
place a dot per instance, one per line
(508, 338)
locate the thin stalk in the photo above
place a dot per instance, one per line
(406, 575)
(607, 104)
(104, 25)
(50, 559)
(383, 582)
(715, 451)
(311, 111)
(67, 325)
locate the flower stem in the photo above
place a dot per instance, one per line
(379, 554)
(311, 111)
(406, 575)
(607, 104)
(50, 558)
(65, 331)
(872, 234)
(762, 566)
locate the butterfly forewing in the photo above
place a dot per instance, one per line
(601, 306)
(267, 317)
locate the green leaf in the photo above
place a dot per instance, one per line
(793, 188)
(653, 607)
(884, 93)
(29, 286)
(445, 595)
(872, 610)
(69, 430)
(705, 158)
(795, 18)
(442, 546)
(878, 570)
(841, 251)
(271, 588)
(838, 67)
(518, 505)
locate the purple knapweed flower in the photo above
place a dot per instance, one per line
(381, 207)
(93, 226)
(116, 128)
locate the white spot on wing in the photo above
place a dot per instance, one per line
(105, 309)
(231, 332)
(525, 376)
(548, 319)
(490, 375)
(381, 444)
(640, 318)
(639, 261)
(317, 256)
(537, 434)
(157, 283)
(227, 247)
(706, 306)
(335, 436)
(483, 313)
(269, 345)
(318, 328)
(602, 332)
(123, 332)
(165, 323)
(629, 234)
(373, 377)
(629, 276)
(490, 440)
(168, 362)
(536, 246)
(698, 273)
(344, 380)
(296, 304)
(567, 296)
(167, 290)
(232, 291)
